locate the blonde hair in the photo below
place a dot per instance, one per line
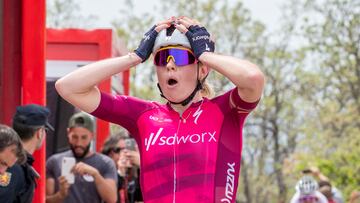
(207, 90)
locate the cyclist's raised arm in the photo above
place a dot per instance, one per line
(79, 87)
(245, 75)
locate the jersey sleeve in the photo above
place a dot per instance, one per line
(122, 110)
(231, 100)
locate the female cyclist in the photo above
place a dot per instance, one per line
(191, 146)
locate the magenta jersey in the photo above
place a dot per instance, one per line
(193, 157)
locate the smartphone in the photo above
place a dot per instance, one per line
(66, 165)
(130, 144)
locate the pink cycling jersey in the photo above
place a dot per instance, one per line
(193, 157)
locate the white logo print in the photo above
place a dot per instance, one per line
(203, 37)
(160, 120)
(153, 141)
(207, 47)
(88, 178)
(146, 37)
(230, 178)
(156, 139)
(197, 114)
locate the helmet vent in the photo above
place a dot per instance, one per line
(170, 30)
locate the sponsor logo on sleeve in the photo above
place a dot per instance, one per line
(230, 182)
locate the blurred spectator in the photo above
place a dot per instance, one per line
(10, 151)
(355, 197)
(323, 180)
(31, 124)
(306, 191)
(95, 174)
(127, 160)
(326, 191)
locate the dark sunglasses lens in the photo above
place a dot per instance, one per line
(182, 57)
(161, 57)
(117, 149)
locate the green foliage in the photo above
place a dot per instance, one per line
(341, 166)
(332, 87)
(130, 28)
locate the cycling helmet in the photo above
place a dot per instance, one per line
(170, 36)
(307, 185)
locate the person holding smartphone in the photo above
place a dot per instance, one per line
(190, 147)
(94, 173)
(131, 161)
(124, 152)
(325, 184)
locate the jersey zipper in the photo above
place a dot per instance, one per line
(181, 120)
(174, 159)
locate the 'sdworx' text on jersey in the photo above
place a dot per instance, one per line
(158, 139)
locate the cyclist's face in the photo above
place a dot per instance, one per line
(177, 82)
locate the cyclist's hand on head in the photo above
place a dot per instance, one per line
(198, 36)
(144, 50)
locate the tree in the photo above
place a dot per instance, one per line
(276, 126)
(64, 14)
(130, 28)
(332, 33)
